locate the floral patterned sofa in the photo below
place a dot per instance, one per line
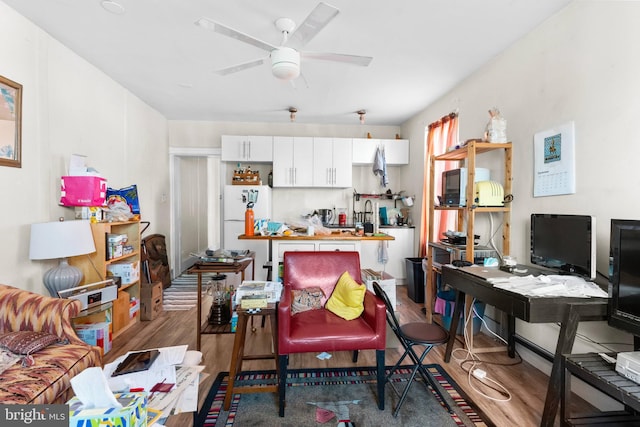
(47, 379)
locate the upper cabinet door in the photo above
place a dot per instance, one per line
(364, 150)
(252, 148)
(396, 151)
(342, 162)
(292, 161)
(323, 162)
(332, 162)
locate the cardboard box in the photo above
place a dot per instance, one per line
(128, 271)
(150, 300)
(387, 283)
(83, 191)
(132, 414)
(97, 334)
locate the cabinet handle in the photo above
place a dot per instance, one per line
(248, 150)
(244, 149)
(328, 176)
(335, 176)
(295, 175)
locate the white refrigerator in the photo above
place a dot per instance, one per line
(234, 203)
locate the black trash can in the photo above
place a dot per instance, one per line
(415, 279)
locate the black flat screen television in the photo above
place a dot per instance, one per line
(566, 244)
(624, 304)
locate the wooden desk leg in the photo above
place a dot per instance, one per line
(236, 358)
(511, 336)
(568, 329)
(460, 297)
(199, 311)
(565, 392)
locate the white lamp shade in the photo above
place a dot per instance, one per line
(61, 239)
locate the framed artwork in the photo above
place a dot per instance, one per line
(10, 123)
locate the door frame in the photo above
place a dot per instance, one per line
(175, 153)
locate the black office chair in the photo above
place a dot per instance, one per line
(410, 335)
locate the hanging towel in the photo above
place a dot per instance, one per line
(383, 254)
(380, 167)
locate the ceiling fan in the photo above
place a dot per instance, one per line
(285, 59)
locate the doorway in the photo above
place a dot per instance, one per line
(195, 214)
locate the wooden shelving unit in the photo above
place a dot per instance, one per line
(467, 213)
(94, 268)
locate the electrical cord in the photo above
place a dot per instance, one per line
(472, 358)
(492, 235)
(604, 345)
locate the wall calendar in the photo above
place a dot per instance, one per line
(554, 157)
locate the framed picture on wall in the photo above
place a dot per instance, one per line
(10, 123)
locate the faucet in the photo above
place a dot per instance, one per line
(368, 209)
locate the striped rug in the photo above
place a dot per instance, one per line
(183, 293)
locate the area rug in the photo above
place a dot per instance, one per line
(183, 292)
(423, 407)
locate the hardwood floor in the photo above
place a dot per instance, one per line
(525, 384)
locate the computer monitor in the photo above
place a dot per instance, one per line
(624, 257)
(564, 243)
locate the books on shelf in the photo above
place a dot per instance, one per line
(272, 290)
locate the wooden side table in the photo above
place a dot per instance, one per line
(238, 352)
(217, 267)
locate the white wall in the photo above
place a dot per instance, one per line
(581, 65)
(70, 107)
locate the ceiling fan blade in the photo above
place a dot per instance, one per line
(239, 67)
(316, 21)
(362, 61)
(235, 34)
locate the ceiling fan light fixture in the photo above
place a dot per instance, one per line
(361, 113)
(292, 113)
(285, 63)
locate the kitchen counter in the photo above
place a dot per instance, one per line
(333, 236)
(338, 241)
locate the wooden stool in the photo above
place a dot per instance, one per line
(238, 352)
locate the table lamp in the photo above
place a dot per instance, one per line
(61, 239)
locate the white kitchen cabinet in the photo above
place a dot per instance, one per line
(332, 165)
(242, 148)
(292, 161)
(280, 246)
(396, 151)
(399, 249)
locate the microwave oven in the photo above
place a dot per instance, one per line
(454, 185)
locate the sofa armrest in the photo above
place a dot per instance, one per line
(21, 310)
(284, 315)
(375, 312)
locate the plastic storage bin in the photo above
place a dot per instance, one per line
(445, 305)
(415, 279)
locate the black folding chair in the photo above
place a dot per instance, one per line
(410, 335)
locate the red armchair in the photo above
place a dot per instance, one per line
(320, 330)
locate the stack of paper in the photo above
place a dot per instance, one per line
(272, 290)
(166, 369)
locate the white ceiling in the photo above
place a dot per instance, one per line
(420, 50)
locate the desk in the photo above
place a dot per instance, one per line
(217, 267)
(567, 311)
(238, 352)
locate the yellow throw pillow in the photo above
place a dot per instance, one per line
(347, 298)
